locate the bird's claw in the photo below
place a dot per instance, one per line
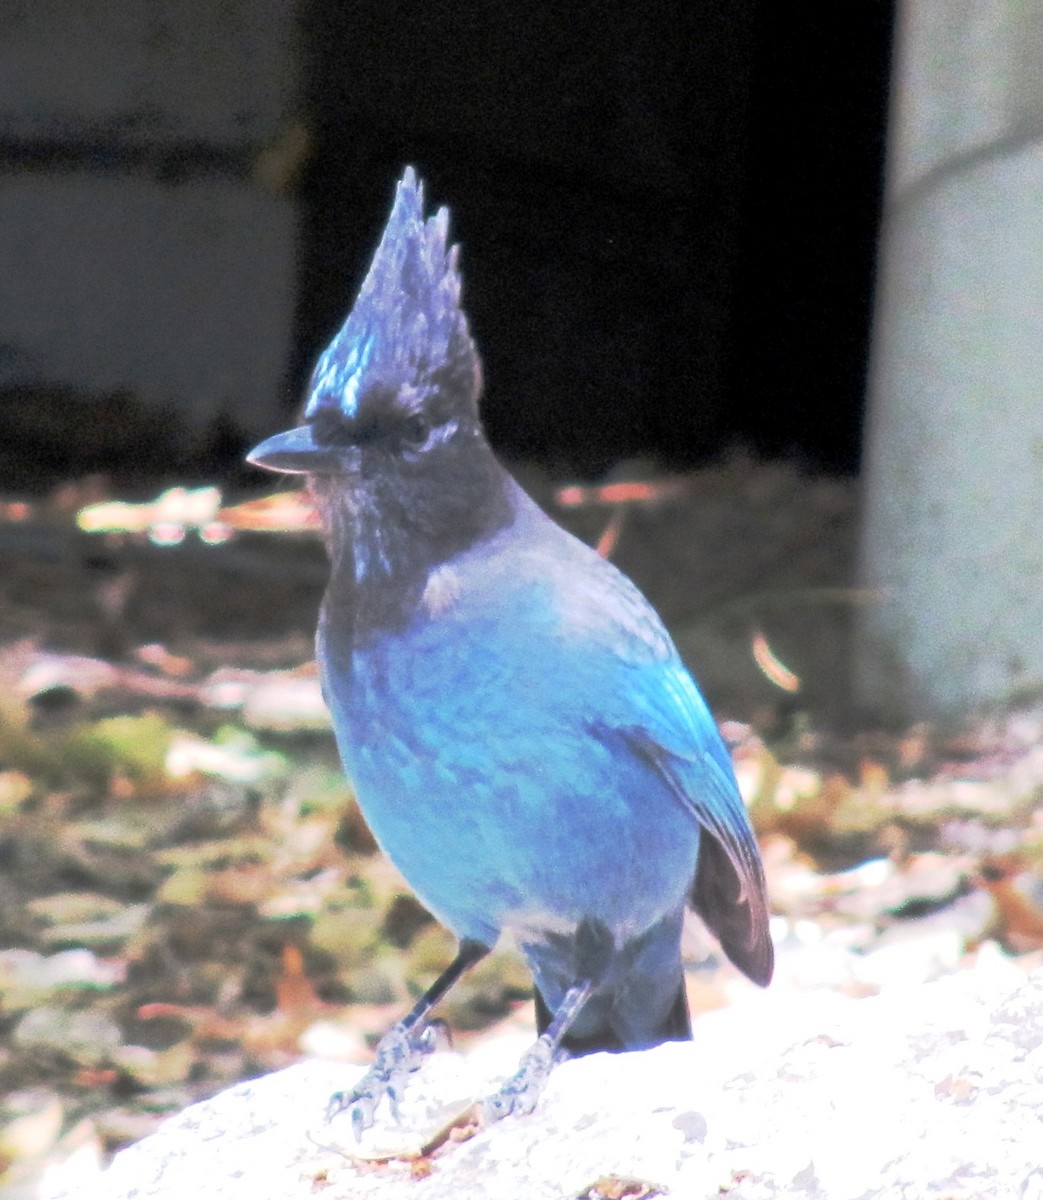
(520, 1093)
(401, 1052)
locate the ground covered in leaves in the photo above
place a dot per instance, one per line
(189, 896)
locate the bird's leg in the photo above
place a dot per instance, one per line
(402, 1049)
(521, 1092)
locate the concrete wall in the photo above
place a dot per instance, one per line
(137, 253)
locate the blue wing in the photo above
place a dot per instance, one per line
(626, 684)
(676, 733)
(652, 702)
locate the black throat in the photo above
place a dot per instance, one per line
(382, 552)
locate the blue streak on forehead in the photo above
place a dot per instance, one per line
(338, 375)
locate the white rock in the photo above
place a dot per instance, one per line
(929, 1090)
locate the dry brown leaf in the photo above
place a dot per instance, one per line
(1019, 918)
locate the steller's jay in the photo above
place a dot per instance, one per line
(521, 734)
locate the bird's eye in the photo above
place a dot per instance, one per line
(416, 429)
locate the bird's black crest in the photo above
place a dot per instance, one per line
(407, 327)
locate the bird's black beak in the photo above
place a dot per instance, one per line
(296, 452)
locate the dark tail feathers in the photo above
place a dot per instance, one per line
(676, 1027)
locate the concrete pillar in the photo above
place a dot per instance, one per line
(953, 519)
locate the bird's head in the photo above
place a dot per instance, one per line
(391, 421)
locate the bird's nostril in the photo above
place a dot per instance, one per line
(329, 428)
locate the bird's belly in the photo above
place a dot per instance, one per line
(501, 812)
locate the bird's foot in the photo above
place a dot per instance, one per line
(521, 1092)
(401, 1051)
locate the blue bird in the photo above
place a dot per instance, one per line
(521, 734)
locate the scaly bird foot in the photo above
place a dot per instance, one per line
(521, 1092)
(401, 1052)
